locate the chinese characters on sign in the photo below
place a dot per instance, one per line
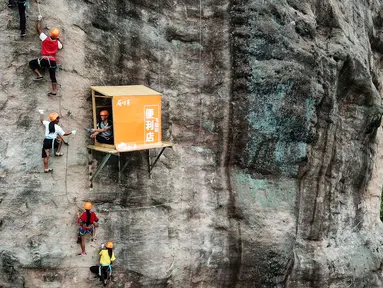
(152, 123)
(123, 102)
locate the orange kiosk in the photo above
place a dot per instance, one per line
(135, 112)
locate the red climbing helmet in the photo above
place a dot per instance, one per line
(53, 116)
(54, 33)
(104, 113)
(87, 205)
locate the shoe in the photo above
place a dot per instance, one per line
(48, 170)
(82, 254)
(51, 94)
(59, 154)
(39, 78)
(22, 34)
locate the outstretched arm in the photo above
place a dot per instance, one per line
(101, 130)
(68, 133)
(38, 26)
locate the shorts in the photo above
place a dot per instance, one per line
(47, 144)
(83, 232)
(104, 140)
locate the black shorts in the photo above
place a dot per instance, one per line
(104, 271)
(48, 145)
(101, 139)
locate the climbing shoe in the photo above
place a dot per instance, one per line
(39, 78)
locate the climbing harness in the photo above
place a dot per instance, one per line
(105, 265)
(47, 58)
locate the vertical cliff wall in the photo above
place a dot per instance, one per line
(275, 108)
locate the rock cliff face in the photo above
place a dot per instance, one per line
(275, 180)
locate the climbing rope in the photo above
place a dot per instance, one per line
(199, 71)
(38, 7)
(158, 48)
(66, 164)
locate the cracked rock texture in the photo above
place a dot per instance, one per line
(276, 178)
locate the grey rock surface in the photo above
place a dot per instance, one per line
(276, 178)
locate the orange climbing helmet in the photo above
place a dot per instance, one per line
(55, 32)
(109, 244)
(104, 113)
(87, 205)
(53, 116)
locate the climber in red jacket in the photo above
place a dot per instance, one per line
(88, 223)
(49, 48)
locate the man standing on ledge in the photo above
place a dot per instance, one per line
(49, 48)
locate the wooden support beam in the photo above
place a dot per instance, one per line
(106, 158)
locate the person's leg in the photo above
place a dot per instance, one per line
(54, 88)
(52, 75)
(102, 140)
(44, 155)
(83, 244)
(46, 162)
(94, 233)
(11, 3)
(103, 273)
(99, 138)
(23, 21)
(34, 64)
(58, 145)
(95, 270)
(47, 144)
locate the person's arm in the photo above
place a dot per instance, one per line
(93, 135)
(101, 130)
(38, 27)
(113, 258)
(61, 45)
(95, 224)
(79, 220)
(41, 116)
(61, 132)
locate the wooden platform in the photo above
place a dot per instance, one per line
(138, 147)
(103, 149)
(110, 150)
(129, 148)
